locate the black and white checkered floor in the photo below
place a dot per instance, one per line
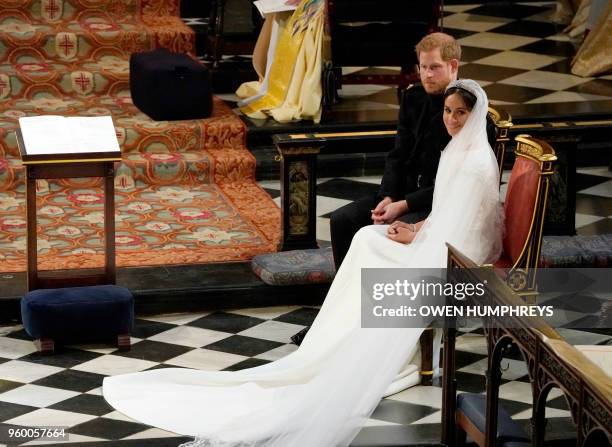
(64, 389)
(519, 56)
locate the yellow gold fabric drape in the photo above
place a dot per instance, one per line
(595, 54)
(294, 90)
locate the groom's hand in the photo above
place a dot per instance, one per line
(392, 211)
(378, 212)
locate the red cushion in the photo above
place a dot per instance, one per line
(519, 205)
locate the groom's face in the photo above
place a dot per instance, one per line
(435, 72)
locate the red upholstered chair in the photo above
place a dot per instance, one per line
(525, 207)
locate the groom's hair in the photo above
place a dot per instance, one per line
(449, 47)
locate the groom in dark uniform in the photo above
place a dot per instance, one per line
(406, 190)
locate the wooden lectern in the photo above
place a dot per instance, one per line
(69, 164)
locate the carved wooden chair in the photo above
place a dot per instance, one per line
(376, 33)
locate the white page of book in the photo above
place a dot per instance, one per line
(270, 6)
(53, 134)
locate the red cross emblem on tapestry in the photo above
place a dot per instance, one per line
(5, 86)
(51, 10)
(82, 82)
(66, 45)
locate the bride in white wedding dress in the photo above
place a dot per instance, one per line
(321, 394)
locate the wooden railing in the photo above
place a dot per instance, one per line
(551, 362)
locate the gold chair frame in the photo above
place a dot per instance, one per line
(521, 275)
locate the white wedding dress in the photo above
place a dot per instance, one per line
(321, 394)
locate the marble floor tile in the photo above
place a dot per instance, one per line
(273, 330)
(474, 22)
(226, 322)
(603, 189)
(435, 418)
(118, 416)
(482, 72)
(84, 403)
(241, 345)
(323, 230)
(549, 47)
(112, 365)
(26, 372)
(459, 8)
(190, 336)
(567, 97)
(513, 93)
(108, 428)
(516, 391)
(153, 351)
(518, 60)
(378, 423)
(206, 359)
(475, 53)
(602, 171)
(583, 220)
(36, 396)
(265, 313)
(177, 318)
(496, 41)
(46, 417)
(545, 80)
(423, 395)
(72, 439)
(152, 433)
(277, 353)
(530, 28)
(509, 9)
(511, 369)
(11, 348)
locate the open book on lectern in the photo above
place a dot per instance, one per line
(57, 135)
(266, 7)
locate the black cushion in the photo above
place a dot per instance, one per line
(170, 86)
(474, 407)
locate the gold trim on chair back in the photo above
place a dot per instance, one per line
(503, 123)
(522, 271)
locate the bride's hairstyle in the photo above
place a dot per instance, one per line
(468, 97)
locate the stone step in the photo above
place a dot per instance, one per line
(91, 39)
(62, 10)
(107, 76)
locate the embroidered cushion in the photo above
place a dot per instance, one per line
(576, 251)
(295, 267)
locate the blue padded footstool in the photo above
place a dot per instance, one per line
(75, 314)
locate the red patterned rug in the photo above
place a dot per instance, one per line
(185, 191)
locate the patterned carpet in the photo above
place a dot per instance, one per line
(186, 186)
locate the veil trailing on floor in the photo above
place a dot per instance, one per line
(321, 394)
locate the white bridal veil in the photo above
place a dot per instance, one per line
(321, 394)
